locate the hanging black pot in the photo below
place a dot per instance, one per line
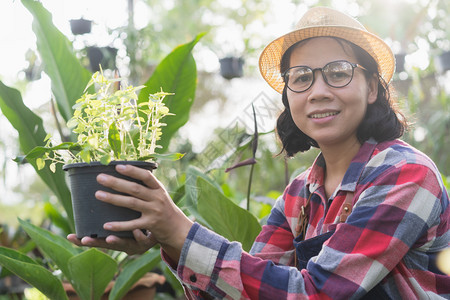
(231, 67)
(104, 56)
(90, 213)
(400, 62)
(443, 62)
(80, 26)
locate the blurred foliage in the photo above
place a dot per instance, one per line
(428, 107)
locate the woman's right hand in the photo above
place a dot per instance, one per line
(140, 244)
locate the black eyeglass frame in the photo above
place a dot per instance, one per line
(354, 66)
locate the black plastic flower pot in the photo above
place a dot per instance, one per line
(231, 67)
(400, 62)
(443, 62)
(90, 213)
(80, 26)
(104, 56)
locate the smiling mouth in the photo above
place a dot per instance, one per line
(323, 115)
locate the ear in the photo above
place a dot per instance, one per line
(372, 85)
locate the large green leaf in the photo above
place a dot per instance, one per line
(176, 73)
(225, 217)
(57, 248)
(90, 273)
(69, 78)
(132, 272)
(54, 214)
(32, 134)
(33, 273)
(191, 192)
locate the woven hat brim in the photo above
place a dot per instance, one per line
(269, 61)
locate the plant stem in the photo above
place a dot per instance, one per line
(286, 171)
(249, 186)
(58, 126)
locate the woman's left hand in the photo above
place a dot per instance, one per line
(137, 245)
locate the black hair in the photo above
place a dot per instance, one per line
(382, 121)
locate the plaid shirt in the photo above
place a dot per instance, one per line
(400, 221)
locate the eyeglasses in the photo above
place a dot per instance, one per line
(336, 74)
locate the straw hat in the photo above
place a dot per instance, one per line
(323, 21)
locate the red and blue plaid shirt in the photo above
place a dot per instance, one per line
(399, 223)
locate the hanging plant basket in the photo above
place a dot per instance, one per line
(80, 26)
(231, 67)
(104, 56)
(400, 62)
(90, 213)
(443, 62)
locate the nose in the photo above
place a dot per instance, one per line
(320, 89)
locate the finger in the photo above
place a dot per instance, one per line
(73, 239)
(151, 240)
(87, 241)
(112, 242)
(123, 186)
(144, 240)
(140, 236)
(93, 242)
(139, 245)
(125, 225)
(121, 200)
(143, 175)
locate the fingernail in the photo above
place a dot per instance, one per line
(107, 226)
(121, 167)
(101, 178)
(100, 195)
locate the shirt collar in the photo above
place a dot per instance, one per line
(354, 171)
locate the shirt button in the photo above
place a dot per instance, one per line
(193, 278)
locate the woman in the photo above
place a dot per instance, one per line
(367, 218)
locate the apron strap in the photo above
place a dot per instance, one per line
(346, 207)
(303, 218)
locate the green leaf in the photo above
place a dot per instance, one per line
(114, 140)
(33, 273)
(32, 134)
(69, 78)
(105, 159)
(132, 272)
(191, 192)
(53, 246)
(57, 219)
(168, 156)
(176, 73)
(40, 163)
(225, 217)
(90, 273)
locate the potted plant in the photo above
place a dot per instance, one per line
(231, 67)
(101, 56)
(80, 26)
(443, 62)
(111, 128)
(400, 62)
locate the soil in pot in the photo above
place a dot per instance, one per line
(89, 213)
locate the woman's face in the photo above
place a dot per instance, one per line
(330, 115)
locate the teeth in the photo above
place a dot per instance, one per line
(324, 115)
